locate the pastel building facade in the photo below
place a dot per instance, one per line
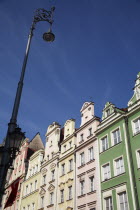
(119, 139)
(87, 163)
(66, 175)
(12, 199)
(31, 185)
(48, 198)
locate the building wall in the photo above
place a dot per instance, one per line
(86, 140)
(66, 178)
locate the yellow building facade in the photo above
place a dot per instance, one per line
(66, 173)
(30, 187)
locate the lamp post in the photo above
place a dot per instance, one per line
(14, 135)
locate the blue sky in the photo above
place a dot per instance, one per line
(96, 56)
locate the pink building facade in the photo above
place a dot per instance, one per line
(87, 162)
(11, 200)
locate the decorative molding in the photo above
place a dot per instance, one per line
(42, 191)
(44, 171)
(51, 187)
(53, 165)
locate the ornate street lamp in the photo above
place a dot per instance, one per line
(14, 135)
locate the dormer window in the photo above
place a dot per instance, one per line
(107, 112)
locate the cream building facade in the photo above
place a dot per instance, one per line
(30, 187)
(66, 175)
(49, 171)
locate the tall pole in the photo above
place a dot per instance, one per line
(40, 15)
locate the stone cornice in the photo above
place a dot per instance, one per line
(94, 138)
(87, 123)
(68, 138)
(49, 161)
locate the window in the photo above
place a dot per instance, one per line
(70, 143)
(137, 126)
(62, 195)
(51, 198)
(82, 187)
(82, 137)
(138, 158)
(53, 175)
(104, 143)
(82, 161)
(28, 207)
(123, 201)
(37, 168)
(63, 169)
(26, 189)
(42, 202)
(70, 192)
(33, 206)
(119, 166)
(31, 187)
(48, 157)
(106, 172)
(70, 164)
(44, 180)
(90, 131)
(91, 179)
(23, 208)
(107, 112)
(35, 184)
(116, 136)
(90, 153)
(108, 203)
(65, 147)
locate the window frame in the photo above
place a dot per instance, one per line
(102, 170)
(133, 125)
(101, 143)
(112, 136)
(82, 160)
(115, 166)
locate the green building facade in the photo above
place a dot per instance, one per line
(119, 154)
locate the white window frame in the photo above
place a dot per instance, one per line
(63, 169)
(52, 174)
(110, 203)
(44, 179)
(124, 203)
(82, 187)
(101, 143)
(138, 157)
(90, 131)
(62, 196)
(91, 183)
(103, 174)
(70, 192)
(33, 206)
(42, 202)
(35, 184)
(115, 166)
(82, 158)
(133, 125)
(51, 198)
(70, 164)
(120, 190)
(112, 136)
(90, 153)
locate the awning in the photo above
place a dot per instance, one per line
(13, 193)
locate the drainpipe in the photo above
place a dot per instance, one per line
(131, 164)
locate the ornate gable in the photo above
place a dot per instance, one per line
(136, 95)
(87, 112)
(108, 110)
